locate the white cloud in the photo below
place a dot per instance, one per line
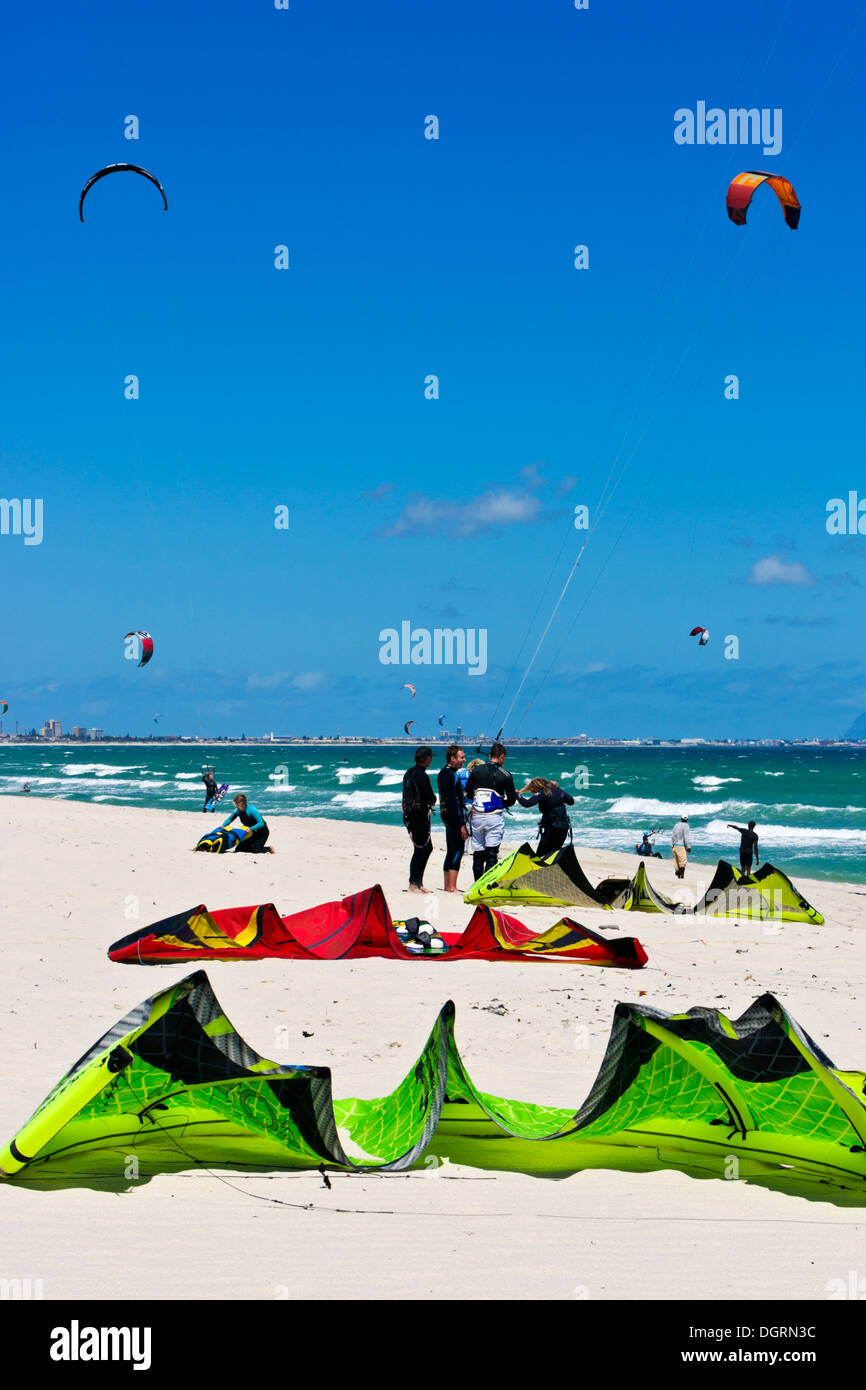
(772, 569)
(256, 682)
(496, 507)
(309, 680)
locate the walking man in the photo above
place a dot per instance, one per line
(681, 845)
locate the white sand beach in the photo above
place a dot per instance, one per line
(76, 876)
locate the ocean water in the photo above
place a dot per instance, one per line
(809, 803)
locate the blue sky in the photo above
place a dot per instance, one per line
(411, 257)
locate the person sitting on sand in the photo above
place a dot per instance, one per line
(748, 846)
(247, 814)
(551, 801)
(681, 845)
(418, 803)
(452, 809)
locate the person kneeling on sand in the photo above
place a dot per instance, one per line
(247, 814)
(681, 845)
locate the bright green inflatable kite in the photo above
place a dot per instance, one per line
(173, 1086)
(558, 880)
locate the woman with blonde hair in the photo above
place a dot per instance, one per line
(551, 800)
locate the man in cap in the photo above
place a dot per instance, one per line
(681, 845)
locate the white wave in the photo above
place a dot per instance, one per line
(772, 774)
(390, 777)
(581, 772)
(714, 781)
(591, 836)
(790, 835)
(798, 808)
(312, 767)
(348, 774)
(32, 781)
(643, 806)
(146, 786)
(83, 784)
(366, 801)
(101, 769)
(187, 776)
(285, 788)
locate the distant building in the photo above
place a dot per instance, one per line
(79, 731)
(97, 733)
(52, 728)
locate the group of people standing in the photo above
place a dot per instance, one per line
(472, 800)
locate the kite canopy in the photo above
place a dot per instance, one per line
(224, 838)
(176, 1085)
(119, 169)
(559, 881)
(767, 893)
(3, 707)
(549, 882)
(744, 185)
(146, 644)
(356, 928)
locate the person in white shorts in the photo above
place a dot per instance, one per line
(489, 791)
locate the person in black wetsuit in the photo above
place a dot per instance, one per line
(489, 792)
(210, 786)
(452, 809)
(418, 803)
(748, 845)
(551, 801)
(247, 814)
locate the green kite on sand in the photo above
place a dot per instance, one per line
(175, 1086)
(558, 880)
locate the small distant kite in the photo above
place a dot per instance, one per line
(702, 635)
(441, 721)
(117, 169)
(744, 185)
(3, 706)
(407, 726)
(156, 719)
(146, 645)
(407, 686)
